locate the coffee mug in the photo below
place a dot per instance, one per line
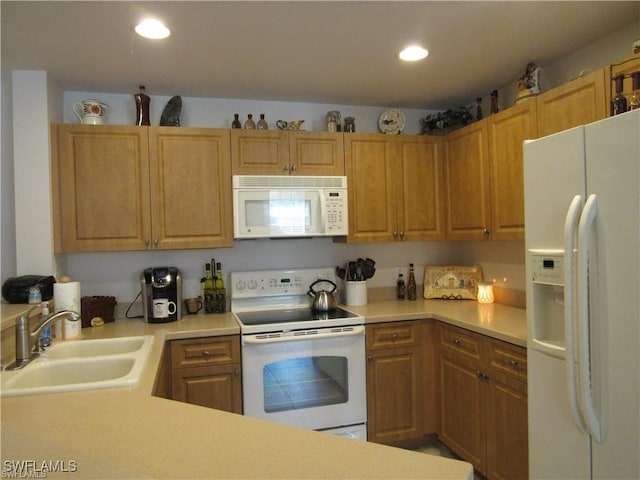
(162, 308)
(193, 305)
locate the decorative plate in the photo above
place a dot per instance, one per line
(392, 121)
(452, 282)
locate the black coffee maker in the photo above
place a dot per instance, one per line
(161, 294)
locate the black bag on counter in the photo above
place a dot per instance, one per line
(16, 289)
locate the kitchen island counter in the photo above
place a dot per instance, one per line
(129, 433)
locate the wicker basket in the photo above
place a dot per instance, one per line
(97, 307)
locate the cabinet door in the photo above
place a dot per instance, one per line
(420, 196)
(216, 387)
(507, 131)
(371, 166)
(462, 419)
(507, 434)
(259, 152)
(394, 400)
(467, 183)
(578, 102)
(190, 188)
(316, 153)
(100, 183)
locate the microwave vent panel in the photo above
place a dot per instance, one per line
(284, 181)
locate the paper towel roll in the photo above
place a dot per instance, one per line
(67, 297)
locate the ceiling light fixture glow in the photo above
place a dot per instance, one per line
(413, 53)
(152, 29)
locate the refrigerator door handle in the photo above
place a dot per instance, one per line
(570, 230)
(584, 361)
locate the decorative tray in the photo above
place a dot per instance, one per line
(452, 282)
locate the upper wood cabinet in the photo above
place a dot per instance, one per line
(121, 188)
(281, 152)
(484, 175)
(395, 186)
(507, 132)
(466, 175)
(581, 101)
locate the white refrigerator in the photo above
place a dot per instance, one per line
(582, 216)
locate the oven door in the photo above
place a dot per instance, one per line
(313, 378)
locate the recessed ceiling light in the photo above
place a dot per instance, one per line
(152, 29)
(413, 53)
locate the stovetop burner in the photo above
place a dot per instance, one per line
(278, 300)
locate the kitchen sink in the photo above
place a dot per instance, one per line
(80, 365)
(95, 348)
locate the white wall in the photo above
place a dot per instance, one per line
(218, 112)
(7, 203)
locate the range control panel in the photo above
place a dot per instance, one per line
(269, 283)
(547, 266)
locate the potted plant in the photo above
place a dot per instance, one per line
(441, 123)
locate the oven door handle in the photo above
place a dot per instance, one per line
(339, 332)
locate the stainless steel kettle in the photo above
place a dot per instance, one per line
(323, 300)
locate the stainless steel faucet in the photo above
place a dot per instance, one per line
(28, 344)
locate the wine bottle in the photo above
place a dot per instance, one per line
(209, 290)
(411, 284)
(142, 107)
(236, 121)
(619, 101)
(221, 293)
(634, 101)
(400, 288)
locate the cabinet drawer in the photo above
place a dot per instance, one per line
(205, 351)
(508, 359)
(393, 334)
(460, 341)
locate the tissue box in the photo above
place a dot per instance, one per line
(97, 307)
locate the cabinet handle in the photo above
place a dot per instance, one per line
(237, 372)
(514, 363)
(482, 375)
(401, 234)
(369, 357)
(146, 242)
(293, 168)
(486, 231)
(286, 167)
(395, 234)
(456, 341)
(394, 335)
(155, 242)
(206, 353)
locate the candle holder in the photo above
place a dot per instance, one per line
(485, 292)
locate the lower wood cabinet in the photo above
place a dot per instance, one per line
(395, 372)
(483, 402)
(207, 372)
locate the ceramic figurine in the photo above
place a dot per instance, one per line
(528, 83)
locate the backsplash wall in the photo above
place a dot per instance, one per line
(118, 274)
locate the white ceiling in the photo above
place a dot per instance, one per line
(325, 52)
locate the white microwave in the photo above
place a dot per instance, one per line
(267, 206)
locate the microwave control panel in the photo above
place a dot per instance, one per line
(336, 212)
